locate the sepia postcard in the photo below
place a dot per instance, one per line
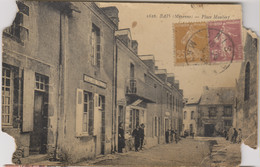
(129, 84)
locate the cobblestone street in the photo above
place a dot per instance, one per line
(188, 152)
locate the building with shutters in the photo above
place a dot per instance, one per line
(246, 101)
(145, 95)
(216, 111)
(30, 77)
(69, 78)
(58, 80)
(190, 115)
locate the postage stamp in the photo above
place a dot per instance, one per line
(208, 42)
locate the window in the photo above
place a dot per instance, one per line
(184, 115)
(177, 105)
(227, 111)
(7, 90)
(134, 119)
(191, 128)
(84, 113)
(41, 83)
(95, 45)
(192, 115)
(247, 82)
(171, 102)
(17, 30)
(167, 98)
(156, 126)
(212, 112)
(227, 123)
(132, 71)
(87, 97)
(101, 102)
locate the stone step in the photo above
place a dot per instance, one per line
(34, 159)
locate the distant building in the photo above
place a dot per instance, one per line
(246, 101)
(215, 110)
(190, 115)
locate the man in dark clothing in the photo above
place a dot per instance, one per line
(167, 136)
(176, 136)
(121, 138)
(172, 132)
(136, 135)
(141, 136)
(234, 137)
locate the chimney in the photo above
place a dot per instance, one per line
(124, 35)
(135, 46)
(162, 74)
(177, 84)
(170, 78)
(148, 61)
(112, 13)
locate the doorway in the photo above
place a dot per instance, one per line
(209, 130)
(38, 137)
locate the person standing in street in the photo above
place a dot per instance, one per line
(167, 136)
(234, 136)
(136, 135)
(239, 136)
(121, 138)
(172, 132)
(176, 136)
(141, 136)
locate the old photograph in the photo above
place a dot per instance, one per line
(129, 84)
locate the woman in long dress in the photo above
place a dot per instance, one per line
(121, 138)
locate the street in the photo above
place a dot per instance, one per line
(200, 151)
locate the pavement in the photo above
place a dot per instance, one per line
(200, 151)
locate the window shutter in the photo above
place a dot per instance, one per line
(98, 55)
(79, 112)
(28, 100)
(96, 115)
(91, 116)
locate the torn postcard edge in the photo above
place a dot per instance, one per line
(82, 79)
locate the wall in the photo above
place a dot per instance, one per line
(78, 62)
(36, 53)
(246, 110)
(217, 121)
(186, 122)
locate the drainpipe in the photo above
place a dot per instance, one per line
(59, 88)
(115, 137)
(114, 97)
(161, 114)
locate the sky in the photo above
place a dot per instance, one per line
(156, 36)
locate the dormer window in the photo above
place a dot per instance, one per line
(17, 30)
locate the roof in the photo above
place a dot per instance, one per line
(192, 100)
(217, 95)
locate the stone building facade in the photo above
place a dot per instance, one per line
(145, 95)
(31, 76)
(246, 101)
(70, 76)
(190, 115)
(215, 111)
(58, 80)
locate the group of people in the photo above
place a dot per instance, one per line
(138, 134)
(233, 135)
(171, 135)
